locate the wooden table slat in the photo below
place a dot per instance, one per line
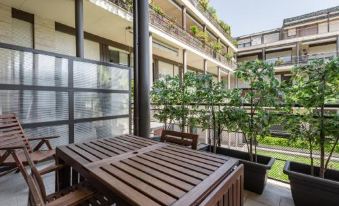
(144, 176)
(199, 192)
(196, 152)
(103, 148)
(175, 181)
(146, 140)
(117, 146)
(162, 161)
(132, 141)
(125, 143)
(191, 165)
(83, 153)
(187, 160)
(121, 188)
(92, 151)
(168, 171)
(207, 156)
(139, 185)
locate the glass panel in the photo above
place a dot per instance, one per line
(91, 104)
(89, 75)
(61, 131)
(51, 71)
(17, 68)
(100, 129)
(35, 106)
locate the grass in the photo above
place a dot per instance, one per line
(277, 169)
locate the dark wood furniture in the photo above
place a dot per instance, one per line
(180, 138)
(73, 195)
(139, 171)
(11, 132)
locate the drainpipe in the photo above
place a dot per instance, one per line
(79, 27)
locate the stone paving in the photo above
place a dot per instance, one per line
(14, 192)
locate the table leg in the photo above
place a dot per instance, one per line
(62, 176)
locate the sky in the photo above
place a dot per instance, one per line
(249, 16)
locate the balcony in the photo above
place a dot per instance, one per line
(211, 19)
(168, 26)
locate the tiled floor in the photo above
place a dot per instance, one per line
(13, 192)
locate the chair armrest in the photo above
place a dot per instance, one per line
(42, 138)
(12, 147)
(50, 168)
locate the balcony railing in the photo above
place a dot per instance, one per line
(168, 26)
(290, 60)
(211, 19)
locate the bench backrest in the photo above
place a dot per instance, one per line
(184, 139)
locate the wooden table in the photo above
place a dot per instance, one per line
(145, 172)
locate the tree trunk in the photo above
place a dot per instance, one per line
(322, 132)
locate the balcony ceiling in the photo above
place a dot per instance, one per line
(96, 20)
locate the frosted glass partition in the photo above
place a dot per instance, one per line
(55, 94)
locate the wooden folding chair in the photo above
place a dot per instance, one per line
(184, 139)
(75, 195)
(10, 130)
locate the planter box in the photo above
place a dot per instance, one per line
(310, 190)
(255, 173)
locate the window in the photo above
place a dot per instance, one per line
(118, 56)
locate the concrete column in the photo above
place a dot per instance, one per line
(328, 22)
(79, 28)
(184, 61)
(263, 54)
(229, 80)
(219, 74)
(205, 66)
(298, 52)
(337, 46)
(183, 17)
(151, 59)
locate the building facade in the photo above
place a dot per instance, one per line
(300, 39)
(56, 89)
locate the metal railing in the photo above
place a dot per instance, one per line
(303, 59)
(168, 26)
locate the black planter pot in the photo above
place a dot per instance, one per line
(310, 190)
(255, 173)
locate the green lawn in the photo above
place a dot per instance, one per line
(277, 170)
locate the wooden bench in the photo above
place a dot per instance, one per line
(184, 139)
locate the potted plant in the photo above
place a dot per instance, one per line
(313, 86)
(163, 97)
(210, 94)
(249, 113)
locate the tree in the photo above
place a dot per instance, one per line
(163, 96)
(211, 94)
(257, 102)
(313, 86)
